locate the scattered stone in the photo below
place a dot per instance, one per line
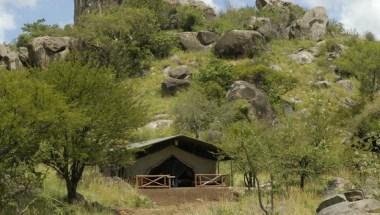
(312, 26)
(207, 37)
(189, 41)
(238, 43)
(171, 85)
(302, 56)
(43, 50)
(257, 98)
(181, 72)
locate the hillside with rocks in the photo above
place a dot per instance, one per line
(290, 94)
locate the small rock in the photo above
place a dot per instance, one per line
(171, 85)
(189, 41)
(275, 68)
(322, 84)
(177, 60)
(346, 84)
(181, 72)
(159, 124)
(302, 57)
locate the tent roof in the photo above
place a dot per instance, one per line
(191, 145)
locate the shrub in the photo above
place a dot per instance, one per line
(216, 71)
(232, 19)
(274, 83)
(189, 18)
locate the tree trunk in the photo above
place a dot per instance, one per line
(302, 181)
(71, 191)
(260, 197)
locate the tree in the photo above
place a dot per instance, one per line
(248, 145)
(361, 60)
(107, 112)
(30, 111)
(37, 29)
(194, 112)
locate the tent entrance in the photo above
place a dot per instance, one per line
(184, 175)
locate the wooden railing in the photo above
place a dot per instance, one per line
(153, 181)
(210, 180)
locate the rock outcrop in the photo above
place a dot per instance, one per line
(302, 56)
(9, 59)
(312, 26)
(257, 98)
(340, 205)
(238, 43)
(207, 37)
(180, 72)
(43, 50)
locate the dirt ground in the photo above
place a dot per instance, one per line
(178, 201)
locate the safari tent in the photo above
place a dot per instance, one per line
(177, 161)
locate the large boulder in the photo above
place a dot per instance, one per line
(207, 37)
(238, 43)
(312, 26)
(43, 50)
(262, 25)
(9, 59)
(171, 85)
(257, 98)
(189, 41)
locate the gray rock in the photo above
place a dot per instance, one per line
(346, 84)
(159, 124)
(312, 26)
(9, 58)
(23, 55)
(322, 84)
(207, 37)
(262, 25)
(238, 43)
(362, 207)
(302, 56)
(171, 85)
(208, 11)
(337, 185)
(275, 68)
(181, 72)
(263, 3)
(189, 41)
(43, 50)
(257, 98)
(177, 60)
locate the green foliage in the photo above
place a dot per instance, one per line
(274, 83)
(361, 61)
(189, 18)
(231, 19)
(335, 28)
(194, 112)
(37, 29)
(30, 112)
(216, 72)
(124, 39)
(370, 36)
(105, 111)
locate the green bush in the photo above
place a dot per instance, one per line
(216, 72)
(162, 44)
(189, 18)
(274, 83)
(232, 19)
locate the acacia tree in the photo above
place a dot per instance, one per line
(30, 111)
(107, 111)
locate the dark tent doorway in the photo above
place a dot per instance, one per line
(184, 175)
